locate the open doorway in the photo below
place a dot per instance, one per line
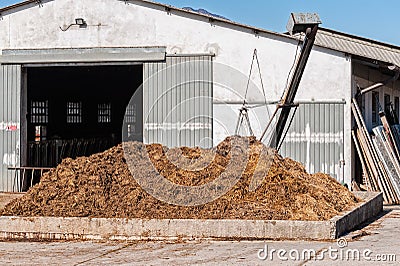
(78, 110)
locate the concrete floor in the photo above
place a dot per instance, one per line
(378, 240)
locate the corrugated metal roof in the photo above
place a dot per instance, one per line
(327, 38)
(358, 46)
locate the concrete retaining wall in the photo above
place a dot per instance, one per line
(372, 206)
(75, 228)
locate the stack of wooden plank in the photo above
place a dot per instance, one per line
(379, 156)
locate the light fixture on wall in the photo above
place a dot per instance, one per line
(78, 22)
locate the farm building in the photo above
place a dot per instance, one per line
(69, 69)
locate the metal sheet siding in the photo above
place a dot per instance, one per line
(177, 101)
(10, 97)
(316, 137)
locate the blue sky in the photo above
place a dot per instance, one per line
(374, 19)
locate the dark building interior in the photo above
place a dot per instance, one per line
(79, 110)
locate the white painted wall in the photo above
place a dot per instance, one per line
(115, 23)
